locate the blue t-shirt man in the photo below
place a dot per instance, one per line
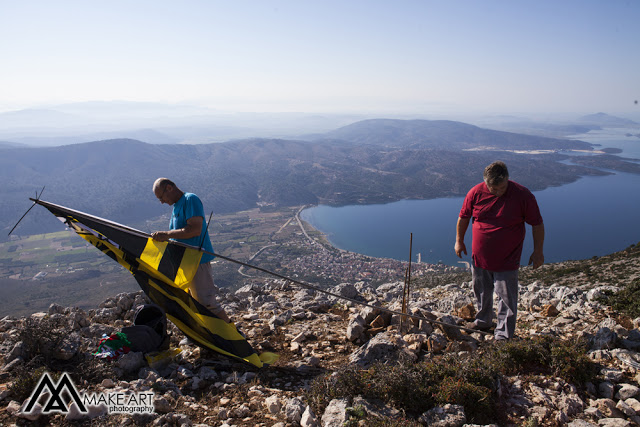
(189, 206)
(188, 225)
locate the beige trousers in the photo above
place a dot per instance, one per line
(205, 291)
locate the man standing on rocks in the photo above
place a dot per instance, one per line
(188, 226)
(499, 209)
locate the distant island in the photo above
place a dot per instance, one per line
(371, 161)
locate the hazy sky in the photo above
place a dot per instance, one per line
(324, 55)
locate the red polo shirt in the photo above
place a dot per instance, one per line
(498, 224)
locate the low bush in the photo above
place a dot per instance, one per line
(626, 300)
(471, 381)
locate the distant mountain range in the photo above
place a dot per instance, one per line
(154, 123)
(372, 161)
(606, 120)
(158, 123)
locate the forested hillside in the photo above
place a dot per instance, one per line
(412, 159)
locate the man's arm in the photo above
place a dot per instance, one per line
(537, 257)
(192, 229)
(461, 229)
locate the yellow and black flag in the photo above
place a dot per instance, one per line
(163, 271)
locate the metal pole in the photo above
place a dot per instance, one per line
(407, 284)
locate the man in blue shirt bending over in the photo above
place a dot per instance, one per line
(188, 226)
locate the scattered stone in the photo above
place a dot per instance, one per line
(445, 416)
(279, 316)
(335, 415)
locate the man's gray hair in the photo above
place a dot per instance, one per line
(496, 173)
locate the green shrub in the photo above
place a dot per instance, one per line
(41, 336)
(26, 381)
(570, 362)
(478, 403)
(471, 381)
(626, 300)
(406, 386)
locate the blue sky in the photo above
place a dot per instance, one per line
(325, 56)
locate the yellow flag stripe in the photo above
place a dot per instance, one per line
(152, 253)
(223, 329)
(253, 358)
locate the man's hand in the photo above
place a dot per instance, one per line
(537, 259)
(461, 229)
(460, 248)
(160, 236)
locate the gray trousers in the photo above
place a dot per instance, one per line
(505, 285)
(203, 289)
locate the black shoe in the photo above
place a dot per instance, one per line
(476, 327)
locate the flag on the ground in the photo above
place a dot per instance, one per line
(163, 271)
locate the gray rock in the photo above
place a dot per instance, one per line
(369, 313)
(627, 391)
(162, 405)
(294, 410)
(383, 347)
(570, 404)
(625, 409)
(69, 348)
(280, 319)
(355, 328)
(605, 338)
(33, 415)
(18, 350)
(78, 319)
(131, 362)
(124, 302)
(248, 291)
(633, 403)
(606, 389)
(452, 333)
(611, 374)
(105, 315)
(377, 408)
(346, 290)
(55, 309)
(272, 403)
(74, 413)
(581, 423)
(445, 416)
(309, 419)
(208, 373)
(13, 364)
(614, 422)
(335, 415)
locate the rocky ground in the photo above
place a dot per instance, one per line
(316, 335)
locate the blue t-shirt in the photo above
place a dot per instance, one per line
(187, 207)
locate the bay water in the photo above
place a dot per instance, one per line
(593, 216)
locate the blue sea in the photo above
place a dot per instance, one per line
(593, 216)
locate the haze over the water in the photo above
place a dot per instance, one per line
(364, 56)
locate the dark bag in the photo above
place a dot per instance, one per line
(149, 330)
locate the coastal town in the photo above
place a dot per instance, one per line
(301, 252)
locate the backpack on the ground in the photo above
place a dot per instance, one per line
(149, 330)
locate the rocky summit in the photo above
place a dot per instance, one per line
(320, 338)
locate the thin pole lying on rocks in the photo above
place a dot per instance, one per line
(365, 304)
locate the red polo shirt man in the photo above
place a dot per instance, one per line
(499, 209)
